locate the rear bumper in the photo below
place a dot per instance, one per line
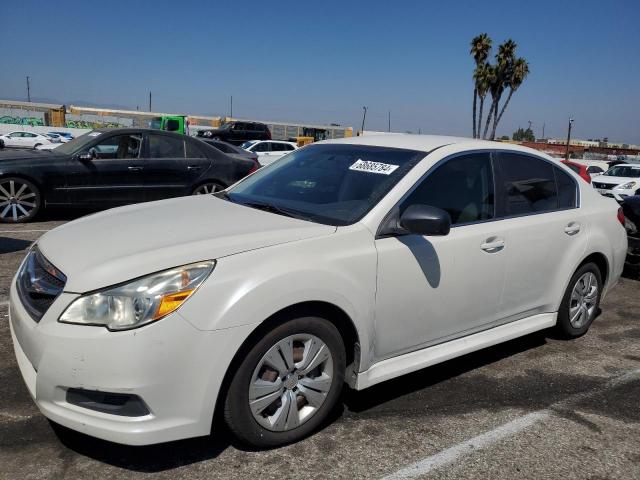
(173, 367)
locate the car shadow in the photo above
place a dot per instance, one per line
(425, 255)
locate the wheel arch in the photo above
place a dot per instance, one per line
(326, 310)
(600, 261)
(199, 183)
(28, 178)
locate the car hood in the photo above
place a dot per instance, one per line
(124, 243)
(614, 180)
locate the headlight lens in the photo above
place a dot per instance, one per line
(627, 186)
(141, 301)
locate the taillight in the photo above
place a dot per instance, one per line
(621, 216)
(256, 166)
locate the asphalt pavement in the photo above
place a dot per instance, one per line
(535, 407)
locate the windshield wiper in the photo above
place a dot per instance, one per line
(269, 207)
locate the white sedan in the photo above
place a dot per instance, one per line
(619, 182)
(269, 151)
(355, 260)
(24, 140)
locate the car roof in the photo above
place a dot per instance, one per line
(427, 143)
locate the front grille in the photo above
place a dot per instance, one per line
(39, 284)
(603, 186)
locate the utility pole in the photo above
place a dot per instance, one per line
(543, 130)
(566, 155)
(389, 120)
(530, 123)
(231, 114)
(28, 90)
(149, 101)
(364, 116)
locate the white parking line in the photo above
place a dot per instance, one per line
(468, 447)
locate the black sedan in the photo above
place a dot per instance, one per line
(631, 209)
(111, 167)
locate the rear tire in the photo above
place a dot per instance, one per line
(20, 200)
(207, 188)
(581, 302)
(35, 147)
(287, 384)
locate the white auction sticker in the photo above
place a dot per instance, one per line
(373, 167)
(94, 134)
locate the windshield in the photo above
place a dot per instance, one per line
(623, 171)
(331, 184)
(77, 144)
(246, 145)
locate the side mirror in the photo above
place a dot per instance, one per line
(85, 156)
(426, 220)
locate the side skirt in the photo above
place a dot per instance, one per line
(410, 362)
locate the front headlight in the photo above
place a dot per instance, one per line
(141, 301)
(627, 186)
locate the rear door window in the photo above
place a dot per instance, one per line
(527, 184)
(261, 147)
(193, 151)
(161, 146)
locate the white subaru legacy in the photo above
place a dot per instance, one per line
(347, 261)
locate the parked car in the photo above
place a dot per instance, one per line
(24, 139)
(619, 182)
(354, 260)
(111, 167)
(631, 209)
(237, 132)
(66, 136)
(53, 137)
(269, 151)
(595, 170)
(232, 150)
(580, 169)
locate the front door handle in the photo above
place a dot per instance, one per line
(493, 245)
(194, 167)
(134, 169)
(572, 229)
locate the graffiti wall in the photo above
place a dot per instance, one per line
(21, 117)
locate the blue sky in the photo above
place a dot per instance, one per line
(322, 61)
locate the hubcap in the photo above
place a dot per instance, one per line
(17, 200)
(583, 300)
(207, 189)
(291, 382)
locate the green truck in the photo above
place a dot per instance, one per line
(171, 123)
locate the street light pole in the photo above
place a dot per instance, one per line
(389, 120)
(566, 154)
(28, 90)
(231, 114)
(364, 116)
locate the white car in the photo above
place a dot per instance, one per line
(24, 139)
(269, 151)
(355, 260)
(619, 182)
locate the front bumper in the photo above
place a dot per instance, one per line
(173, 367)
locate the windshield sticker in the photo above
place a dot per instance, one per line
(373, 167)
(94, 134)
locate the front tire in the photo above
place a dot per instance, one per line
(287, 384)
(20, 200)
(581, 302)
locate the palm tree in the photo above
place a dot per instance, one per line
(505, 59)
(518, 74)
(480, 48)
(483, 77)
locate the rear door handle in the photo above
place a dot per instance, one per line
(194, 167)
(572, 228)
(493, 245)
(134, 169)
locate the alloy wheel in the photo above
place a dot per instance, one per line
(206, 189)
(18, 200)
(291, 382)
(583, 301)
